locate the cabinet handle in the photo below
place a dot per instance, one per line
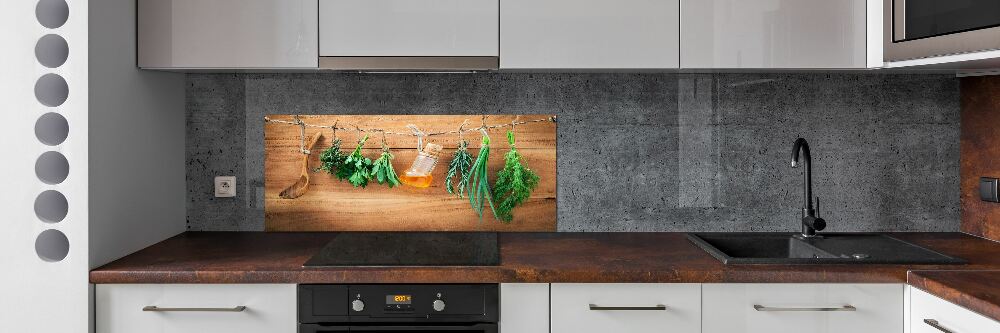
(595, 307)
(159, 309)
(934, 323)
(769, 308)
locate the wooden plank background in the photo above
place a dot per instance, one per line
(333, 205)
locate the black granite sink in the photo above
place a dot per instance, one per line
(833, 248)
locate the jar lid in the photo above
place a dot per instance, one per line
(433, 149)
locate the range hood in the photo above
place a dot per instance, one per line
(410, 64)
(409, 35)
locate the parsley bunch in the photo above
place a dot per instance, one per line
(356, 169)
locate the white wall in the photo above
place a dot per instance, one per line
(137, 187)
(124, 124)
(38, 295)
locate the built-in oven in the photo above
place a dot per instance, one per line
(376, 308)
(917, 29)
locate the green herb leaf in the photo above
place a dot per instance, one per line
(332, 159)
(514, 184)
(356, 168)
(477, 181)
(460, 163)
(383, 170)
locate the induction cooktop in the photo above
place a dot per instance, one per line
(409, 249)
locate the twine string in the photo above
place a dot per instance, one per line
(425, 134)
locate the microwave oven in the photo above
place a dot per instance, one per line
(915, 29)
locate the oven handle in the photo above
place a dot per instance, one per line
(484, 328)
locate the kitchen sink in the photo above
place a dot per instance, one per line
(831, 248)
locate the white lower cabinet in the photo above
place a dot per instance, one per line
(803, 308)
(524, 307)
(627, 307)
(187, 308)
(930, 314)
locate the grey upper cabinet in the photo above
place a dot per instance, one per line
(755, 34)
(221, 34)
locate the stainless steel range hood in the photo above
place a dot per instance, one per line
(409, 35)
(410, 64)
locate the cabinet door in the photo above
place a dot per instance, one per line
(425, 28)
(930, 314)
(773, 34)
(594, 34)
(627, 307)
(524, 307)
(269, 308)
(227, 34)
(803, 308)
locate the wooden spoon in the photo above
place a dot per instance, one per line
(302, 185)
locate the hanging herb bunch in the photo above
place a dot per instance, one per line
(332, 159)
(382, 169)
(356, 169)
(514, 183)
(477, 182)
(459, 167)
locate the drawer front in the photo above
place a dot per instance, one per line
(268, 308)
(803, 308)
(947, 316)
(633, 308)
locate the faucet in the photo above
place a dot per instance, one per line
(810, 221)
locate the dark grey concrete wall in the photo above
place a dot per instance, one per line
(637, 152)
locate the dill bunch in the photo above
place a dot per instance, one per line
(514, 184)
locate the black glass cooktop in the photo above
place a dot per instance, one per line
(409, 249)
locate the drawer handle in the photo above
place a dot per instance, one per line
(769, 308)
(159, 309)
(658, 307)
(934, 323)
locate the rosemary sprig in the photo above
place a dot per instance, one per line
(383, 171)
(332, 159)
(356, 168)
(514, 183)
(477, 180)
(459, 165)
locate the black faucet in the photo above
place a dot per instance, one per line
(810, 221)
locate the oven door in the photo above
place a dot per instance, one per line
(916, 29)
(471, 328)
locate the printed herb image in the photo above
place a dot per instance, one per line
(459, 166)
(514, 183)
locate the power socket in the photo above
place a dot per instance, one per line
(225, 186)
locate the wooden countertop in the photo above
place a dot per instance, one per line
(257, 257)
(978, 291)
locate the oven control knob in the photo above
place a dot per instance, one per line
(438, 305)
(358, 305)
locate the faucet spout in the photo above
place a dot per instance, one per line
(810, 222)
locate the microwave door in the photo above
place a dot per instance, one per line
(915, 29)
(917, 19)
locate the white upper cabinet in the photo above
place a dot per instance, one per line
(589, 34)
(779, 34)
(409, 28)
(178, 34)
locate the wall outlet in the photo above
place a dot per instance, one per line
(225, 186)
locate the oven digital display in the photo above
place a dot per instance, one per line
(398, 299)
